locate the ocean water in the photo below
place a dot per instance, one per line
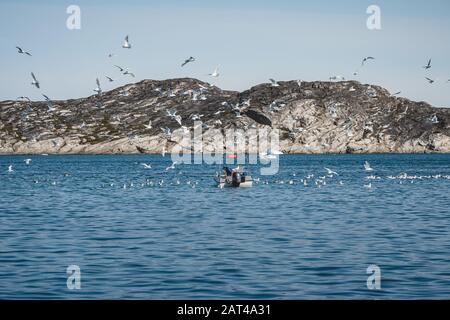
(186, 238)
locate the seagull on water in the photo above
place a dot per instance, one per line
(27, 161)
(147, 166)
(367, 166)
(10, 168)
(428, 66)
(21, 51)
(215, 74)
(190, 59)
(126, 43)
(35, 81)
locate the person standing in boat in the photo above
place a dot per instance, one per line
(228, 171)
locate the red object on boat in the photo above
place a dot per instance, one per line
(232, 156)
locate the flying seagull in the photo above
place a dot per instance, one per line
(337, 78)
(167, 132)
(366, 59)
(35, 82)
(126, 43)
(128, 73)
(20, 50)
(331, 171)
(434, 119)
(98, 89)
(120, 68)
(147, 166)
(274, 83)
(428, 66)
(172, 166)
(367, 166)
(148, 126)
(24, 98)
(49, 103)
(215, 74)
(109, 79)
(190, 59)
(431, 81)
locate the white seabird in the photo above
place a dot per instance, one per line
(149, 125)
(274, 83)
(21, 51)
(190, 59)
(335, 78)
(331, 171)
(49, 103)
(430, 81)
(126, 43)
(365, 60)
(367, 166)
(128, 73)
(215, 74)
(98, 89)
(35, 81)
(120, 68)
(428, 66)
(172, 166)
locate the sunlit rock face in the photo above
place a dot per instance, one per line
(310, 117)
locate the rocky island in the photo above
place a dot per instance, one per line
(312, 117)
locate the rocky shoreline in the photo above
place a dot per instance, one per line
(311, 118)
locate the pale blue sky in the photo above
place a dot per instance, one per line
(251, 41)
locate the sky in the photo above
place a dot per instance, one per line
(251, 41)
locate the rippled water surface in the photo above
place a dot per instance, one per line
(134, 237)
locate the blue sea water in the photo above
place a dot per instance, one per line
(277, 240)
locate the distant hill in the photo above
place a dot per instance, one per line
(313, 117)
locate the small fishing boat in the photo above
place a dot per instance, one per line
(238, 178)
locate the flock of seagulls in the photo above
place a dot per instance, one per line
(310, 180)
(237, 108)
